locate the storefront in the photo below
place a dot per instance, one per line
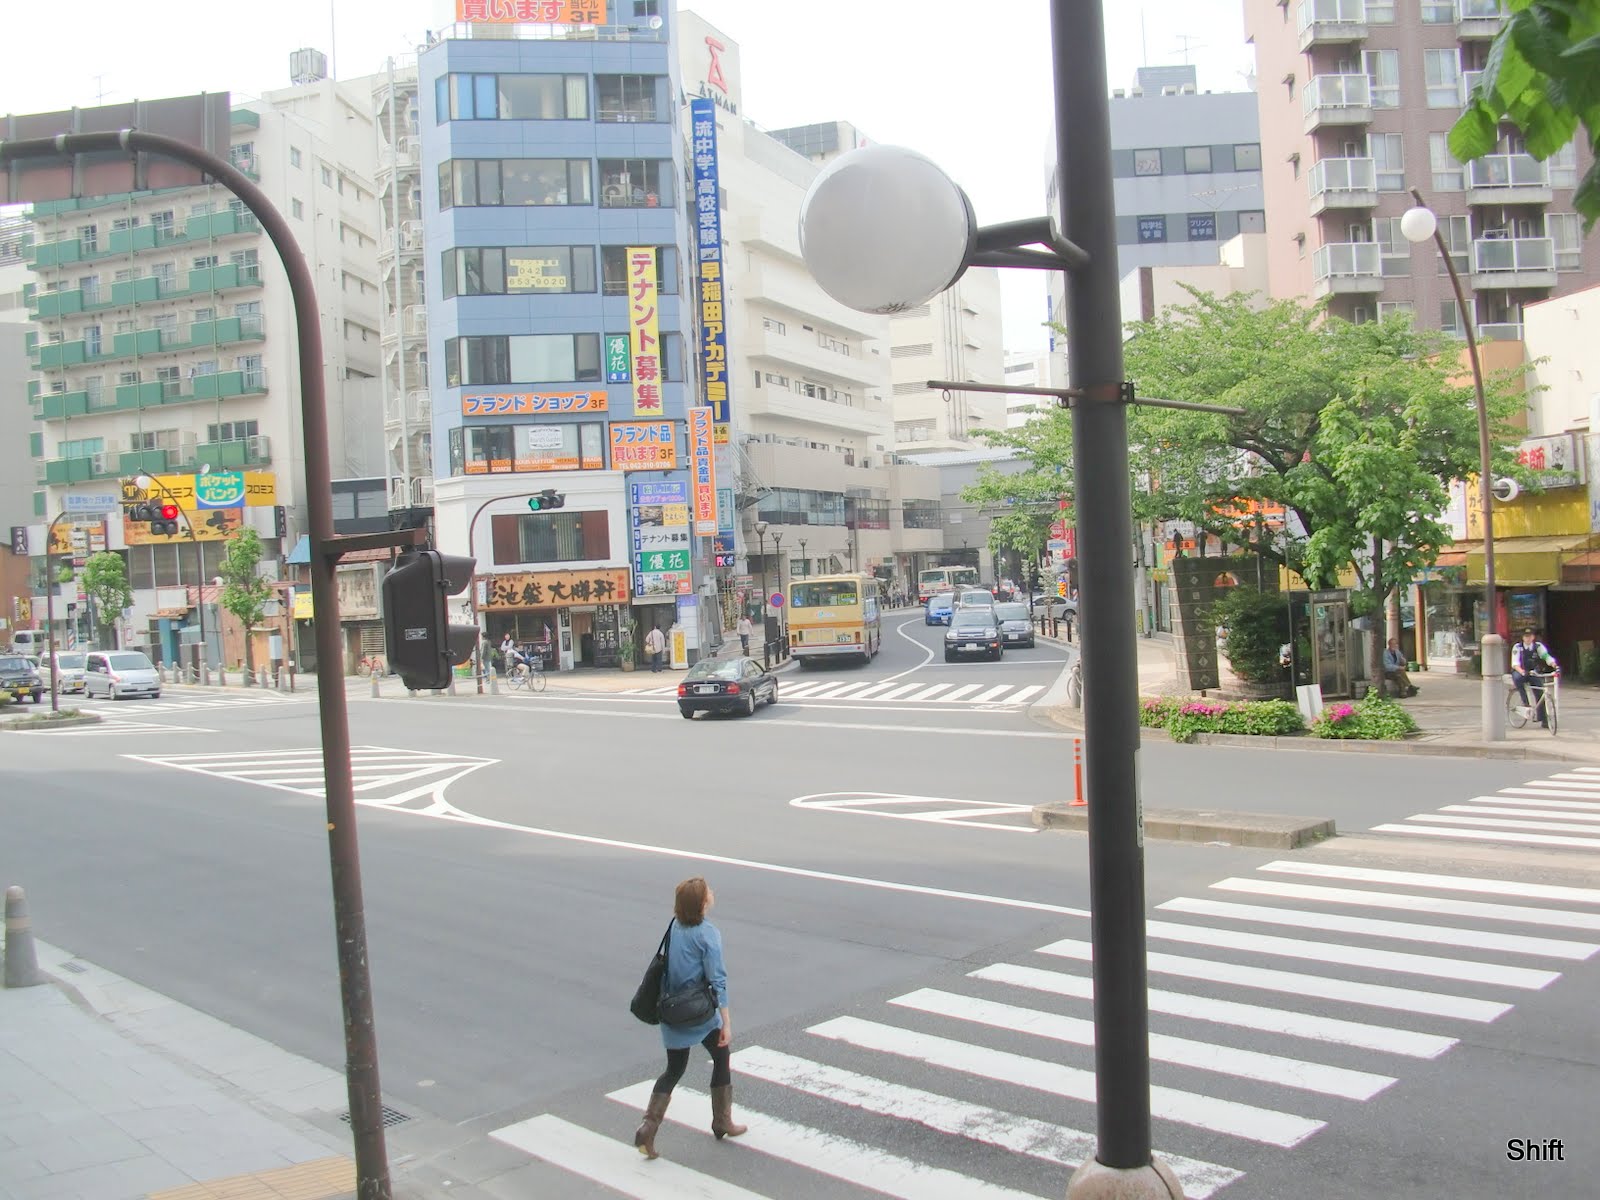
(570, 618)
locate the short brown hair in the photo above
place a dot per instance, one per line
(689, 901)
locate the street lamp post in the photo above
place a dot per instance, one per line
(805, 563)
(766, 638)
(883, 229)
(1419, 225)
(783, 613)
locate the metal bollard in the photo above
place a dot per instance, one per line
(494, 683)
(222, 675)
(375, 692)
(22, 964)
(450, 689)
(261, 677)
(205, 674)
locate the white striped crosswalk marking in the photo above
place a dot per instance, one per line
(1184, 1052)
(830, 689)
(1438, 935)
(1443, 818)
(992, 694)
(1442, 883)
(1568, 793)
(866, 693)
(1023, 694)
(1486, 835)
(888, 692)
(1506, 809)
(960, 693)
(1560, 810)
(1296, 983)
(604, 1161)
(1229, 1012)
(929, 693)
(976, 1122)
(827, 1154)
(1539, 804)
(1202, 1112)
(400, 774)
(901, 692)
(1480, 909)
(117, 727)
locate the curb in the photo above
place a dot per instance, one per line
(1264, 831)
(26, 726)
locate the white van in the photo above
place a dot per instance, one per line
(28, 641)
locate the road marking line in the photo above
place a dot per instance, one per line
(1434, 904)
(1485, 835)
(865, 692)
(804, 689)
(1180, 1051)
(1437, 935)
(1358, 1034)
(1494, 823)
(902, 690)
(1497, 811)
(609, 1163)
(901, 630)
(946, 1114)
(1187, 1108)
(827, 1154)
(930, 692)
(1356, 956)
(1375, 995)
(1538, 802)
(1025, 693)
(992, 694)
(834, 689)
(1447, 883)
(1561, 793)
(960, 693)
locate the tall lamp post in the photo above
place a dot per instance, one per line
(783, 613)
(883, 229)
(766, 638)
(1419, 225)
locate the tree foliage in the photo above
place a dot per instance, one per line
(105, 582)
(1543, 75)
(244, 592)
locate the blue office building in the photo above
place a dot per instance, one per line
(557, 361)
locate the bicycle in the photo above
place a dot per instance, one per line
(370, 665)
(1518, 714)
(527, 673)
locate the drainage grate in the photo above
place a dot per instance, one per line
(391, 1116)
(77, 968)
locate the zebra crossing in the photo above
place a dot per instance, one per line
(893, 692)
(382, 775)
(1560, 811)
(983, 1085)
(175, 702)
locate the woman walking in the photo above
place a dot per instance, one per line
(694, 952)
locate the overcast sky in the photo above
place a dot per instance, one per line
(970, 91)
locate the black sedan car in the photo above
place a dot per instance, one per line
(1016, 626)
(973, 631)
(729, 685)
(19, 679)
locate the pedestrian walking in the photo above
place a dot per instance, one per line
(745, 630)
(655, 645)
(694, 954)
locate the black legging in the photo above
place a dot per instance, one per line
(678, 1062)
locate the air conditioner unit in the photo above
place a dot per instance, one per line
(104, 463)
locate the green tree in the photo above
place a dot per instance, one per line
(1542, 75)
(1022, 505)
(105, 582)
(244, 592)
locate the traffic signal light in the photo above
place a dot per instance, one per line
(165, 521)
(546, 501)
(422, 645)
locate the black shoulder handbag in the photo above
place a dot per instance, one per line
(646, 1003)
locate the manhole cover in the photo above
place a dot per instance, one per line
(391, 1116)
(77, 968)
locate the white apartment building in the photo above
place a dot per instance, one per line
(955, 336)
(163, 345)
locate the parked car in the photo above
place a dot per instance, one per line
(940, 606)
(118, 673)
(19, 679)
(1058, 607)
(71, 664)
(28, 641)
(975, 598)
(1016, 626)
(973, 631)
(727, 685)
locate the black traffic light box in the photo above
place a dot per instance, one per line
(422, 645)
(547, 500)
(162, 518)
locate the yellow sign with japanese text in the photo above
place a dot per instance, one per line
(531, 12)
(216, 490)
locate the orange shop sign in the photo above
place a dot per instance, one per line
(525, 404)
(643, 446)
(531, 12)
(213, 525)
(556, 589)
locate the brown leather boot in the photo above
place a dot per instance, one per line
(644, 1138)
(722, 1113)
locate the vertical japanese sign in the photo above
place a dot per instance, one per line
(708, 240)
(644, 340)
(704, 472)
(617, 368)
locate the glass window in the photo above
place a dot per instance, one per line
(1389, 308)
(1147, 162)
(1152, 229)
(1247, 156)
(626, 97)
(552, 357)
(636, 183)
(1450, 317)
(543, 98)
(1447, 172)
(825, 594)
(1457, 235)
(1563, 166)
(1383, 70)
(294, 156)
(1387, 152)
(1438, 12)
(1441, 71)
(1197, 160)
(1380, 12)
(1252, 221)
(549, 269)
(1566, 230)
(1202, 227)
(614, 270)
(488, 182)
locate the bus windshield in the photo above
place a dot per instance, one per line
(832, 593)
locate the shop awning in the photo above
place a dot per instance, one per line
(1452, 558)
(1529, 561)
(1581, 568)
(301, 554)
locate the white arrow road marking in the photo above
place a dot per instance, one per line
(953, 812)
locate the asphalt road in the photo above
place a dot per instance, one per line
(869, 856)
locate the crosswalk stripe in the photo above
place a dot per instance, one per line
(1575, 777)
(805, 689)
(1229, 1012)
(1433, 904)
(1439, 935)
(1495, 810)
(611, 1164)
(1489, 835)
(1187, 1108)
(960, 693)
(992, 694)
(930, 693)
(1180, 1051)
(864, 693)
(945, 1114)
(826, 689)
(1568, 793)
(1375, 995)
(1443, 883)
(1539, 802)
(903, 690)
(845, 690)
(1492, 823)
(116, 727)
(1355, 956)
(828, 1154)
(1026, 693)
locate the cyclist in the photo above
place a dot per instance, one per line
(1527, 656)
(513, 656)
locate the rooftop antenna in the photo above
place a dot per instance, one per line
(1189, 43)
(1144, 43)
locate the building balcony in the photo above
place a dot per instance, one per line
(232, 455)
(416, 410)
(1478, 20)
(1469, 84)
(1343, 183)
(1500, 331)
(1342, 268)
(1508, 179)
(1329, 22)
(1332, 101)
(797, 353)
(1513, 263)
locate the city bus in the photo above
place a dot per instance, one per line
(835, 616)
(944, 579)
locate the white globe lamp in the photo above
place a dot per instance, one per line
(884, 229)
(1418, 224)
